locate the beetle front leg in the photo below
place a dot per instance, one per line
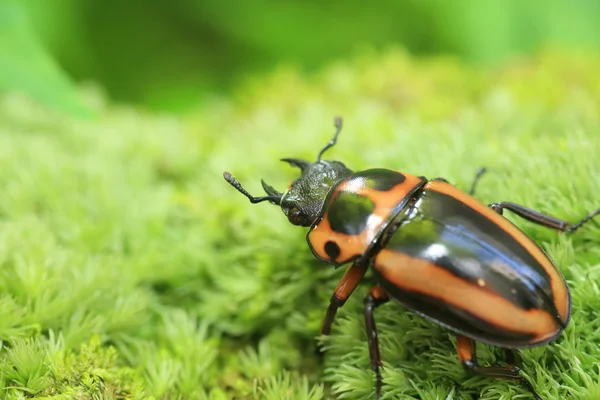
(541, 219)
(466, 354)
(344, 289)
(376, 297)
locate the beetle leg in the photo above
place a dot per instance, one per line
(478, 174)
(542, 219)
(376, 297)
(466, 354)
(344, 289)
(512, 358)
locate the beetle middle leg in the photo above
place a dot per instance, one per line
(512, 358)
(467, 356)
(478, 174)
(376, 297)
(541, 219)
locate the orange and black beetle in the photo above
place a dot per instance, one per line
(433, 248)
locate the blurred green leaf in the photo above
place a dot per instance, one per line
(173, 55)
(27, 67)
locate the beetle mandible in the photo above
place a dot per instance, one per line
(433, 248)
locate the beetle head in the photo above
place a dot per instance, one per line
(303, 200)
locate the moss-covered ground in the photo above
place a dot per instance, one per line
(130, 269)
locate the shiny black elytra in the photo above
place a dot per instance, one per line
(433, 248)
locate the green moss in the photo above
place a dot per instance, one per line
(129, 268)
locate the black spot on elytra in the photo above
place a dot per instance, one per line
(380, 179)
(349, 212)
(332, 250)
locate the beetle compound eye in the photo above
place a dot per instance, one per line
(299, 218)
(295, 216)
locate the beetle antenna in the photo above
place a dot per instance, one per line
(337, 121)
(236, 184)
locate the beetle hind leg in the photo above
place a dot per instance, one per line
(376, 297)
(541, 219)
(466, 354)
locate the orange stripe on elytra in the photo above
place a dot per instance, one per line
(419, 276)
(559, 291)
(355, 245)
